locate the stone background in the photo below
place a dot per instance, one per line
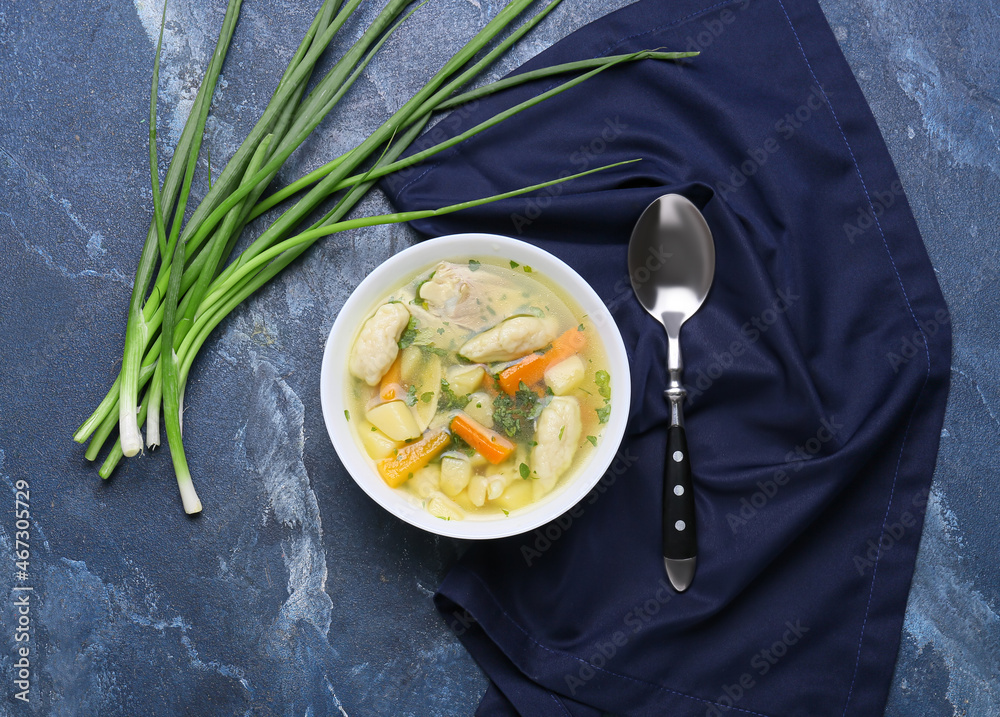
(320, 603)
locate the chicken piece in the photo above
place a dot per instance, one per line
(510, 339)
(377, 344)
(557, 437)
(457, 294)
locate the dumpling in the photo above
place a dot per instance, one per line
(557, 437)
(510, 339)
(378, 343)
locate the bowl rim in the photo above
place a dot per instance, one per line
(383, 279)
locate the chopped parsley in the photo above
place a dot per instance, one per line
(449, 399)
(473, 265)
(527, 269)
(409, 334)
(562, 429)
(514, 264)
(347, 414)
(515, 415)
(411, 395)
(593, 440)
(524, 470)
(603, 380)
(413, 335)
(427, 397)
(505, 512)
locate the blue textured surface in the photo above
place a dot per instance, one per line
(294, 593)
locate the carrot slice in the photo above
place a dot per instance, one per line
(491, 445)
(532, 367)
(397, 469)
(391, 385)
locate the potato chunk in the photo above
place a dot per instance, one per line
(441, 506)
(565, 376)
(510, 339)
(480, 407)
(518, 494)
(465, 379)
(377, 344)
(394, 419)
(377, 444)
(557, 437)
(455, 474)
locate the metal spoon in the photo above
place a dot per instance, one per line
(671, 261)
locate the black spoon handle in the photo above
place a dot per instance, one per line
(680, 541)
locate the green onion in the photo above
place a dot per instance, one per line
(199, 282)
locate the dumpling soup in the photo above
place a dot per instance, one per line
(477, 387)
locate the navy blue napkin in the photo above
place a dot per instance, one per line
(817, 373)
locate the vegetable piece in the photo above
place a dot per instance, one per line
(480, 408)
(427, 389)
(558, 436)
(426, 481)
(396, 469)
(531, 369)
(465, 379)
(455, 474)
(565, 376)
(510, 339)
(410, 362)
(377, 444)
(517, 495)
(376, 347)
(443, 507)
(395, 420)
(487, 442)
(392, 383)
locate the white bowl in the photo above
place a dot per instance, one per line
(390, 275)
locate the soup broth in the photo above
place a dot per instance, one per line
(478, 388)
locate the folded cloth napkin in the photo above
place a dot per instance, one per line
(817, 373)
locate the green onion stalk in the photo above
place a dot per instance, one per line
(187, 280)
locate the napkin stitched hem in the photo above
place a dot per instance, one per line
(920, 329)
